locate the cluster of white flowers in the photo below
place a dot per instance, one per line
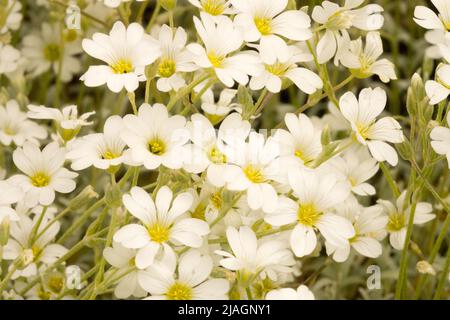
(196, 202)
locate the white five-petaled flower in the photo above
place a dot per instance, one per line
(362, 114)
(174, 59)
(302, 293)
(252, 257)
(16, 128)
(9, 58)
(67, 121)
(265, 21)
(363, 61)
(438, 90)
(222, 42)
(44, 173)
(155, 138)
(317, 195)
(398, 218)
(336, 20)
(216, 110)
(284, 66)
(101, 150)
(427, 18)
(440, 140)
(190, 281)
(126, 50)
(163, 222)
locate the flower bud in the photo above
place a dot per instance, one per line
(4, 231)
(168, 4)
(425, 267)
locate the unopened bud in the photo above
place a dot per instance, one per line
(425, 267)
(168, 4)
(4, 231)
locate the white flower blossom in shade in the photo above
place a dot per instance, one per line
(285, 66)
(175, 59)
(370, 228)
(428, 19)
(357, 167)
(44, 173)
(222, 42)
(363, 61)
(316, 195)
(16, 128)
(398, 218)
(9, 194)
(12, 15)
(208, 150)
(301, 142)
(256, 168)
(189, 281)
(163, 222)
(9, 58)
(155, 138)
(440, 140)
(29, 254)
(337, 20)
(216, 110)
(251, 257)
(45, 51)
(126, 50)
(302, 293)
(122, 258)
(116, 3)
(67, 121)
(213, 7)
(102, 150)
(362, 114)
(265, 21)
(444, 47)
(438, 90)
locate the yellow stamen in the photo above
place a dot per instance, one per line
(217, 157)
(263, 25)
(308, 214)
(40, 179)
(215, 59)
(122, 66)
(213, 7)
(396, 222)
(254, 174)
(167, 68)
(158, 232)
(157, 146)
(179, 291)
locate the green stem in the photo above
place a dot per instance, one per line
(390, 180)
(444, 277)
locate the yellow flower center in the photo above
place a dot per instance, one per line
(40, 179)
(301, 155)
(157, 146)
(56, 283)
(52, 52)
(263, 25)
(213, 7)
(199, 212)
(109, 155)
(277, 69)
(396, 222)
(216, 200)
(9, 131)
(179, 291)
(122, 66)
(339, 20)
(158, 232)
(308, 214)
(254, 174)
(364, 71)
(363, 130)
(217, 157)
(167, 68)
(215, 59)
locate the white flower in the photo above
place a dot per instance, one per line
(439, 90)
(155, 138)
(256, 167)
(363, 61)
(191, 280)
(222, 40)
(122, 258)
(302, 293)
(101, 150)
(284, 66)
(208, 150)
(9, 194)
(116, 3)
(213, 7)
(12, 15)
(399, 218)
(374, 134)
(44, 173)
(126, 50)
(264, 20)
(217, 110)
(356, 166)
(45, 51)
(174, 59)
(336, 20)
(66, 120)
(317, 194)
(302, 142)
(428, 19)
(440, 140)
(253, 257)
(19, 247)
(370, 228)
(9, 58)
(16, 128)
(163, 221)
